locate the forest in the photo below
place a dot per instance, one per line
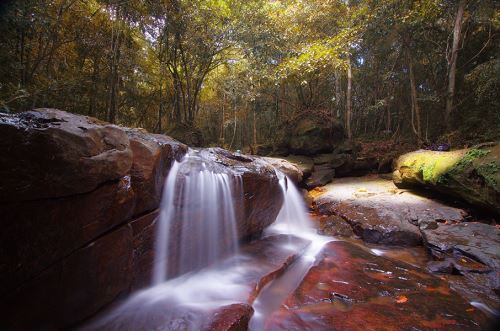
(240, 73)
(260, 165)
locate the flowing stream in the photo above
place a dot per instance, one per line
(202, 269)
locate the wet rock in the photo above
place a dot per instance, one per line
(334, 225)
(324, 159)
(427, 224)
(470, 174)
(48, 153)
(351, 289)
(303, 163)
(312, 136)
(36, 234)
(289, 169)
(322, 175)
(262, 195)
(381, 213)
(441, 267)
(74, 288)
(153, 155)
(476, 240)
(231, 318)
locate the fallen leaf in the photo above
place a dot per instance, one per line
(401, 299)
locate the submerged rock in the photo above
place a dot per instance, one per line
(351, 289)
(48, 153)
(381, 213)
(470, 174)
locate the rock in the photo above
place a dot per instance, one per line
(364, 165)
(334, 225)
(427, 224)
(74, 288)
(441, 267)
(348, 147)
(351, 289)
(311, 136)
(187, 134)
(322, 175)
(385, 165)
(476, 240)
(233, 317)
(263, 150)
(48, 153)
(343, 164)
(158, 308)
(381, 213)
(470, 174)
(36, 234)
(303, 163)
(291, 170)
(324, 159)
(262, 195)
(153, 155)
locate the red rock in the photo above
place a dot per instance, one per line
(351, 289)
(36, 234)
(231, 318)
(74, 288)
(48, 153)
(153, 155)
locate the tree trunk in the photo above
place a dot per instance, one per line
(338, 93)
(348, 112)
(254, 126)
(452, 63)
(415, 109)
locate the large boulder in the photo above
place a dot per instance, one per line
(291, 170)
(48, 153)
(379, 212)
(470, 174)
(153, 155)
(262, 195)
(311, 136)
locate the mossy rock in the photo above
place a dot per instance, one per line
(471, 174)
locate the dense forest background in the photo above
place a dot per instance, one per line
(239, 73)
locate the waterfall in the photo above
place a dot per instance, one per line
(198, 212)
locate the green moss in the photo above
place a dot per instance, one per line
(491, 173)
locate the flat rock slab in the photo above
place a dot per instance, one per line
(476, 240)
(219, 298)
(351, 289)
(381, 213)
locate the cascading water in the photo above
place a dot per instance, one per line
(198, 211)
(197, 267)
(293, 220)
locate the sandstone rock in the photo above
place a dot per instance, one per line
(153, 155)
(379, 212)
(476, 240)
(47, 153)
(74, 288)
(351, 289)
(303, 163)
(289, 169)
(36, 234)
(334, 225)
(472, 174)
(322, 175)
(311, 136)
(233, 317)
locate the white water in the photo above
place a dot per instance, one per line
(198, 210)
(293, 219)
